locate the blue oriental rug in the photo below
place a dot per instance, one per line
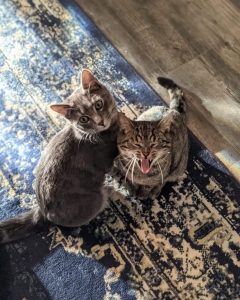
(183, 245)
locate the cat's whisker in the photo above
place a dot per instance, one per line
(131, 162)
(128, 169)
(90, 136)
(158, 163)
(127, 164)
(124, 159)
(162, 158)
(133, 167)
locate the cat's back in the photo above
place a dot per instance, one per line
(155, 113)
(56, 150)
(53, 162)
(74, 163)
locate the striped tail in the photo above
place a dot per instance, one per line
(176, 94)
(21, 226)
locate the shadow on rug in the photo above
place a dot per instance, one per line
(184, 245)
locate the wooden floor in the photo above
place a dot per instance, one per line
(194, 42)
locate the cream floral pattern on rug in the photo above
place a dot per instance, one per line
(183, 245)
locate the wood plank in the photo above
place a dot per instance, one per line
(211, 115)
(194, 42)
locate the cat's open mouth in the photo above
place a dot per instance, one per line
(145, 165)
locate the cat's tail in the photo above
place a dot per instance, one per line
(176, 94)
(21, 226)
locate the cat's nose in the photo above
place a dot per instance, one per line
(145, 152)
(101, 123)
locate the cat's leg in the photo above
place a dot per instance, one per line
(144, 192)
(141, 192)
(132, 189)
(176, 178)
(156, 191)
(107, 192)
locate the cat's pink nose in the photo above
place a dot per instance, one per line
(100, 123)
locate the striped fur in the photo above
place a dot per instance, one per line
(154, 149)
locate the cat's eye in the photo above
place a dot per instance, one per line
(137, 145)
(153, 145)
(84, 119)
(123, 147)
(99, 105)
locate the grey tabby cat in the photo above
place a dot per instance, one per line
(154, 149)
(72, 168)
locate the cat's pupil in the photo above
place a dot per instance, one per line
(84, 119)
(99, 104)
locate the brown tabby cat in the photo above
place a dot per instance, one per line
(72, 168)
(154, 149)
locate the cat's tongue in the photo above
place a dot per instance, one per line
(145, 168)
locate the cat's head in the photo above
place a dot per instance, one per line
(90, 108)
(144, 143)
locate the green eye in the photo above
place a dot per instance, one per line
(99, 104)
(84, 119)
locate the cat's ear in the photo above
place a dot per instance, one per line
(125, 123)
(88, 80)
(62, 109)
